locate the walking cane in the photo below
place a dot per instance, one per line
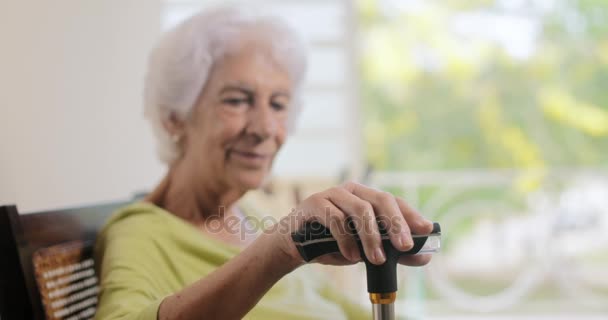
(314, 240)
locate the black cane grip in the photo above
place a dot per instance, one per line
(314, 240)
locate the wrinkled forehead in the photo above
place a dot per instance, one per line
(250, 69)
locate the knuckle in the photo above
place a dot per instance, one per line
(334, 190)
(398, 226)
(386, 198)
(349, 185)
(317, 197)
(313, 197)
(401, 201)
(341, 237)
(374, 240)
(365, 208)
(336, 215)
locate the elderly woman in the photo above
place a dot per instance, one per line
(221, 93)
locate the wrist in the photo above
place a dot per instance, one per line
(281, 251)
(289, 252)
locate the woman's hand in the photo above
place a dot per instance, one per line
(365, 207)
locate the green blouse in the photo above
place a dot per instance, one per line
(145, 253)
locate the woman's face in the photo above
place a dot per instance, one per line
(239, 122)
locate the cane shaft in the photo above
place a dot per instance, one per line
(383, 305)
(384, 311)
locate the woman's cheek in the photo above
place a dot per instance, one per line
(232, 125)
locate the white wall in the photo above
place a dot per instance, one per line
(71, 129)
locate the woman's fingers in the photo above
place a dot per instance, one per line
(417, 223)
(366, 207)
(362, 215)
(335, 219)
(335, 259)
(414, 221)
(389, 214)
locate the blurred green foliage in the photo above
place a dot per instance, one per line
(436, 97)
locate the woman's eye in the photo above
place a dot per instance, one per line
(236, 102)
(278, 106)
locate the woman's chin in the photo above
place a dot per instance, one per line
(251, 180)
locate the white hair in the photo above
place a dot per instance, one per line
(179, 65)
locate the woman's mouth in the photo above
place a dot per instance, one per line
(250, 159)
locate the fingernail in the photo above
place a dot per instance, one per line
(400, 242)
(355, 255)
(406, 241)
(379, 256)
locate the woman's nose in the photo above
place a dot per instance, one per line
(263, 121)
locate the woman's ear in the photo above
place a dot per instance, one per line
(175, 127)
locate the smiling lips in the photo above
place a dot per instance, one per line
(250, 159)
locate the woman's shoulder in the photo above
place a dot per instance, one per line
(136, 219)
(136, 213)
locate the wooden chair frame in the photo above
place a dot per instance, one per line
(21, 235)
